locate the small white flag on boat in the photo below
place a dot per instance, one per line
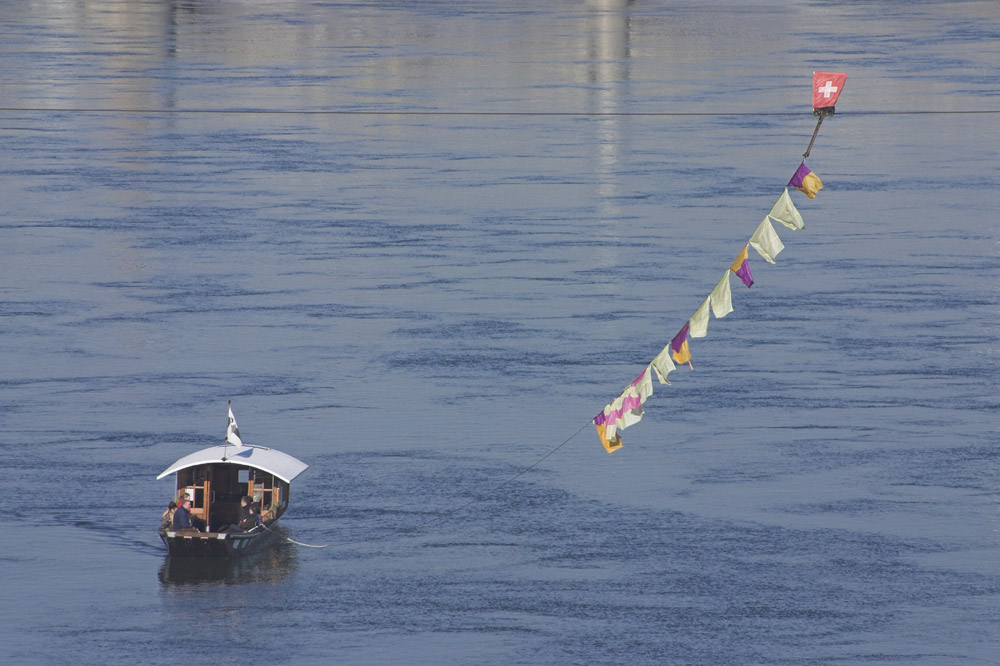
(233, 431)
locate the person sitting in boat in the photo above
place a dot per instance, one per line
(184, 520)
(251, 520)
(168, 515)
(245, 503)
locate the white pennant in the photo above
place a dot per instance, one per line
(698, 323)
(784, 211)
(722, 297)
(765, 240)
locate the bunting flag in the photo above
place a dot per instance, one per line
(766, 241)
(722, 297)
(806, 181)
(784, 211)
(609, 446)
(742, 267)
(679, 345)
(233, 430)
(699, 320)
(827, 87)
(663, 365)
(643, 385)
(623, 411)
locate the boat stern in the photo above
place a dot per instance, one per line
(192, 543)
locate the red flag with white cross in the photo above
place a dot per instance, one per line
(827, 86)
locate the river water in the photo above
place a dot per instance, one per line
(420, 245)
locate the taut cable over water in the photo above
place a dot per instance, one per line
(480, 498)
(431, 113)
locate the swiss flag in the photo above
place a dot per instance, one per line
(827, 86)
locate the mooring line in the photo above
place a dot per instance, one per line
(297, 543)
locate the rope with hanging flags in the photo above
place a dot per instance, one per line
(626, 409)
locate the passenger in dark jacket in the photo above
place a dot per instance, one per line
(251, 520)
(182, 516)
(187, 519)
(245, 504)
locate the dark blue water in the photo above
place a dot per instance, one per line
(423, 305)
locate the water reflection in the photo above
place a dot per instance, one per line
(608, 50)
(270, 566)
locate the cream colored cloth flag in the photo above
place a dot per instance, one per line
(626, 409)
(663, 365)
(722, 297)
(699, 320)
(644, 384)
(784, 211)
(765, 240)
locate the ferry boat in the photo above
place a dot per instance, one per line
(215, 480)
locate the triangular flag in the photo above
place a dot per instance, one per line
(679, 346)
(784, 211)
(722, 298)
(609, 446)
(623, 411)
(643, 384)
(683, 354)
(766, 241)
(233, 430)
(663, 365)
(806, 181)
(699, 320)
(742, 267)
(630, 416)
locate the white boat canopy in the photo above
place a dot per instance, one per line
(282, 465)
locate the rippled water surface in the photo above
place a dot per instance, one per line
(419, 246)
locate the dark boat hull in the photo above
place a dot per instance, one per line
(191, 543)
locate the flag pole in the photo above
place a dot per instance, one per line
(225, 445)
(822, 113)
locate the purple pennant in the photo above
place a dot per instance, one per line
(679, 339)
(744, 273)
(800, 173)
(741, 266)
